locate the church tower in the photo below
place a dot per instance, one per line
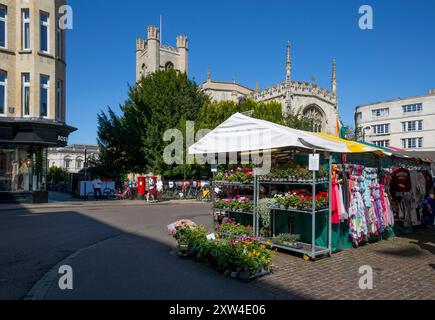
(152, 55)
(288, 80)
(334, 77)
(153, 48)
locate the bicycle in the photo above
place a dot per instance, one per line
(204, 195)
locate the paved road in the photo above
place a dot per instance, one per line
(127, 254)
(124, 252)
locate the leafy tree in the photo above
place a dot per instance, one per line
(299, 121)
(213, 114)
(133, 141)
(56, 174)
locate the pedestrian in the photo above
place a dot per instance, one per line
(152, 190)
(430, 205)
(96, 184)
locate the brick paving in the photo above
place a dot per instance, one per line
(403, 268)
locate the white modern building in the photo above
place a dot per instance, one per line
(406, 123)
(72, 158)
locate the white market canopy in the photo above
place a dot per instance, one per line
(241, 133)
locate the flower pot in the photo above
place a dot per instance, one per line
(183, 250)
(244, 276)
(294, 245)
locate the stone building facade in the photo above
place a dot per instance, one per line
(151, 55)
(295, 97)
(32, 95)
(72, 158)
(405, 123)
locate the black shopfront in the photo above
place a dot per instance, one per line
(23, 158)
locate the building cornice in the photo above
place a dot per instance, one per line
(393, 100)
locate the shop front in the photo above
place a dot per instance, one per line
(23, 158)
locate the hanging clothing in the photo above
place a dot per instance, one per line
(344, 212)
(401, 180)
(336, 208)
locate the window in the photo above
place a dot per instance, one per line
(25, 89)
(383, 112)
(382, 143)
(409, 126)
(79, 163)
(26, 29)
(358, 116)
(59, 99)
(169, 66)
(381, 129)
(3, 26)
(44, 33)
(44, 95)
(3, 92)
(59, 44)
(418, 107)
(67, 163)
(412, 143)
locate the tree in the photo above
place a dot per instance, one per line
(213, 114)
(299, 121)
(56, 174)
(133, 141)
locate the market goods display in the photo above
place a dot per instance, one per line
(238, 254)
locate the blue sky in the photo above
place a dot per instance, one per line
(247, 40)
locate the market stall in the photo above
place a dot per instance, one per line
(322, 193)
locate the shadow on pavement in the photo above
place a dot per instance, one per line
(128, 255)
(423, 238)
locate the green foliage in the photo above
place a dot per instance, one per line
(56, 175)
(226, 255)
(232, 230)
(299, 121)
(133, 141)
(213, 114)
(263, 209)
(286, 238)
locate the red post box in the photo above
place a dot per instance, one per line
(141, 183)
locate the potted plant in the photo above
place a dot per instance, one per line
(289, 240)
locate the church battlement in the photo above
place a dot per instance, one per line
(296, 88)
(152, 55)
(182, 41)
(140, 44)
(169, 48)
(153, 33)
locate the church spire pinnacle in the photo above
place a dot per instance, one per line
(334, 76)
(288, 63)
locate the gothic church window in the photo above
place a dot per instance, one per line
(169, 66)
(316, 116)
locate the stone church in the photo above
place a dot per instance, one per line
(295, 96)
(151, 55)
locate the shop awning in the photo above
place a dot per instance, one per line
(355, 147)
(389, 151)
(241, 133)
